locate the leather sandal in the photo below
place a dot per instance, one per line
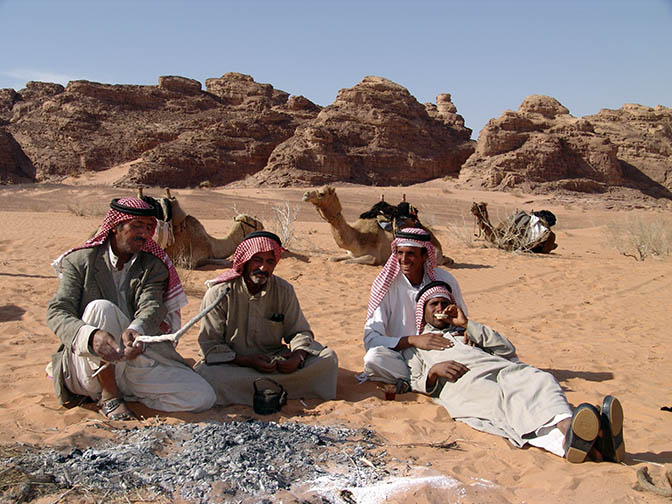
(582, 433)
(109, 407)
(611, 443)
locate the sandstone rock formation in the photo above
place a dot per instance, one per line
(541, 147)
(374, 133)
(240, 131)
(643, 137)
(15, 167)
(179, 135)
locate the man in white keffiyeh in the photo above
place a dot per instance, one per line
(258, 330)
(118, 285)
(390, 323)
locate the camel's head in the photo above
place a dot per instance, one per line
(318, 196)
(479, 209)
(248, 223)
(325, 200)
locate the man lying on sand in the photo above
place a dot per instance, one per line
(241, 339)
(120, 284)
(474, 378)
(390, 320)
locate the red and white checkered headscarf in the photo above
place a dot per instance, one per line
(174, 297)
(430, 293)
(391, 269)
(253, 243)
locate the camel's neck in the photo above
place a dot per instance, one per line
(344, 234)
(484, 225)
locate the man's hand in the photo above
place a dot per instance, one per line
(292, 361)
(456, 316)
(131, 350)
(450, 370)
(105, 346)
(261, 362)
(429, 341)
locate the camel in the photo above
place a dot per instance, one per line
(190, 245)
(513, 234)
(365, 241)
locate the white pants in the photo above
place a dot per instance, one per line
(151, 379)
(549, 437)
(386, 365)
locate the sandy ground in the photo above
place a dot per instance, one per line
(597, 320)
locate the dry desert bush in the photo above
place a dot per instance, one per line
(464, 232)
(282, 224)
(640, 237)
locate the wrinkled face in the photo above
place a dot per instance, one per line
(131, 236)
(411, 260)
(440, 306)
(259, 268)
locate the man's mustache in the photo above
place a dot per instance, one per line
(258, 272)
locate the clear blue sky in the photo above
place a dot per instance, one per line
(489, 55)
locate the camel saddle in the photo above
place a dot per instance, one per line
(391, 218)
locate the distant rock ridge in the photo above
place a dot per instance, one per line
(238, 131)
(542, 148)
(374, 133)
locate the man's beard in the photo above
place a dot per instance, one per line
(259, 277)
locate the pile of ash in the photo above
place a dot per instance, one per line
(212, 461)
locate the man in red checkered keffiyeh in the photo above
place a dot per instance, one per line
(114, 287)
(257, 330)
(125, 210)
(480, 381)
(257, 242)
(390, 324)
(430, 291)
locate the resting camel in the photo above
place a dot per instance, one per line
(510, 235)
(191, 246)
(365, 241)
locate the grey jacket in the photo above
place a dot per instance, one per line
(86, 277)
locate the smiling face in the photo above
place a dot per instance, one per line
(128, 238)
(258, 270)
(444, 308)
(411, 262)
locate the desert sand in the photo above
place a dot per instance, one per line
(597, 320)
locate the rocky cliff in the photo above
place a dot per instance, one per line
(240, 131)
(541, 147)
(179, 134)
(374, 133)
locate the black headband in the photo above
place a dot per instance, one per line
(412, 236)
(435, 283)
(263, 234)
(139, 212)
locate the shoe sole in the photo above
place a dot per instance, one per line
(614, 412)
(585, 425)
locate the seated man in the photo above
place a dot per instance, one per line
(241, 339)
(116, 286)
(476, 382)
(390, 320)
